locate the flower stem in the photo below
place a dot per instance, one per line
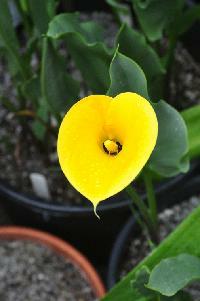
(137, 200)
(151, 197)
(144, 213)
(138, 218)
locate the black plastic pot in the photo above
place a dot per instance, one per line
(131, 228)
(78, 224)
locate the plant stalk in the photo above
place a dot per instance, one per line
(144, 213)
(151, 197)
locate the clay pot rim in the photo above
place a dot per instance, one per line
(60, 247)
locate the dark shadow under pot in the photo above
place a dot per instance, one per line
(131, 246)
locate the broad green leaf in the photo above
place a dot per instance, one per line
(126, 76)
(92, 32)
(9, 39)
(170, 154)
(143, 292)
(59, 90)
(133, 44)
(173, 274)
(69, 23)
(185, 239)
(155, 16)
(185, 21)
(139, 285)
(121, 10)
(39, 11)
(192, 120)
(83, 43)
(169, 157)
(118, 4)
(13, 68)
(93, 62)
(64, 24)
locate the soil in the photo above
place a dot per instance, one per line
(139, 248)
(31, 271)
(21, 156)
(185, 80)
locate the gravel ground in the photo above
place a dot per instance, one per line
(138, 248)
(185, 81)
(29, 271)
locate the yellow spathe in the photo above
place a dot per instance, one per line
(104, 142)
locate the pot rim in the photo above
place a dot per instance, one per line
(60, 247)
(39, 204)
(117, 250)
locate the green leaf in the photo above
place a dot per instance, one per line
(83, 43)
(126, 76)
(185, 21)
(173, 274)
(119, 5)
(9, 39)
(64, 24)
(192, 120)
(59, 90)
(134, 45)
(138, 285)
(141, 290)
(93, 62)
(6, 27)
(185, 239)
(169, 157)
(40, 13)
(13, 68)
(121, 10)
(69, 23)
(155, 16)
(170, 154)
(92, 32)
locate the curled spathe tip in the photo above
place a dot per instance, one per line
(95, 210)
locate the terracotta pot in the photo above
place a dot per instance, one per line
(60, 247)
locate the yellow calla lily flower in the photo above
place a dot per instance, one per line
(104, 142)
